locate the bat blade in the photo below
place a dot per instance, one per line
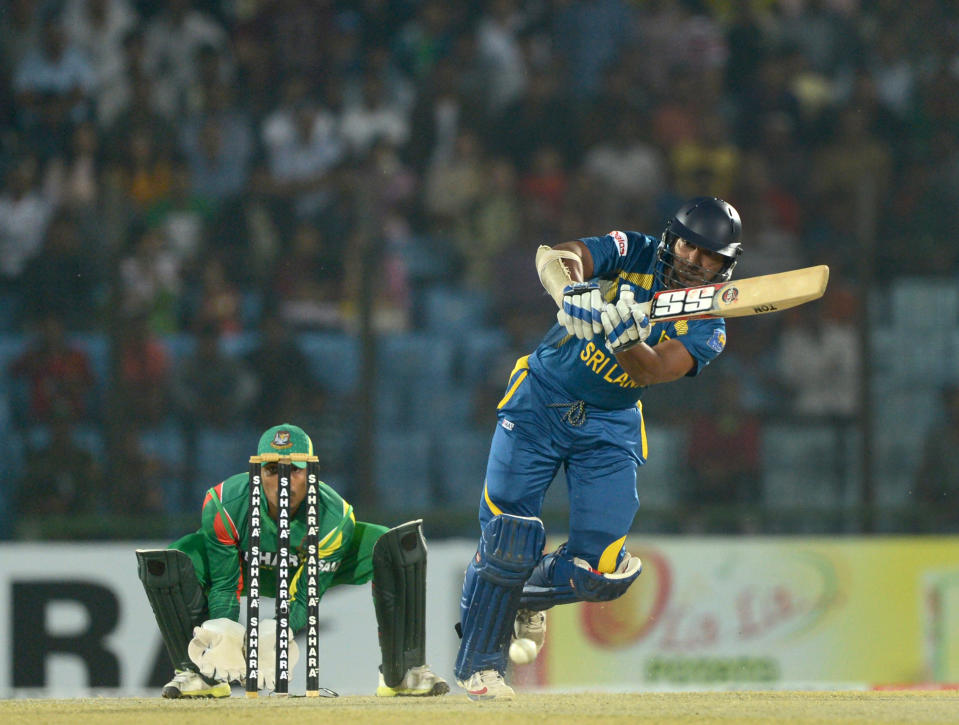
(741, 298)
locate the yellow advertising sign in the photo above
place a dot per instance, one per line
(773, 611)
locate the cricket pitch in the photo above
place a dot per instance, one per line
(867, 708)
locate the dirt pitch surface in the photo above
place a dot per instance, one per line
(867, 708)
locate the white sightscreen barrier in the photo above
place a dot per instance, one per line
(74, 620)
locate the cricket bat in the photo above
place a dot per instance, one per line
(741, 297)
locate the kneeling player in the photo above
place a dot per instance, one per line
(195, 585)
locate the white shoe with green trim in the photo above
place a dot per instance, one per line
(187, 683)
(418, 682)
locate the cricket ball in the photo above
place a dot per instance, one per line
(522, 651)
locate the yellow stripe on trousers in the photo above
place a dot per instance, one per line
(522, 366)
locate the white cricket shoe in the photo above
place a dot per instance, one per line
(529, 624)
(417, 682)
(487, 685)
(187, 683)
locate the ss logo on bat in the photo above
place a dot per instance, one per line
(683, 301)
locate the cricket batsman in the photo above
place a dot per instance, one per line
(194, 586)
(575, 402)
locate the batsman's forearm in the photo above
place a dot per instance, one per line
(580, 264)
(647, 365)
(640, 363)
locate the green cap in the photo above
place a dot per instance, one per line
(285, 439)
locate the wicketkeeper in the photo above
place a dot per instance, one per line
(195, 585)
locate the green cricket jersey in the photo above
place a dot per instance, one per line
(226, 539)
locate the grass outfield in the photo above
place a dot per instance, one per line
(867, 708)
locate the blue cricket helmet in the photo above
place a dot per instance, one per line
(708, 223)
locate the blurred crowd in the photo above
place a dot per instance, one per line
(208, 169)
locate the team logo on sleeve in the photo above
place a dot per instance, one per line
(622, 244)
(718, 341)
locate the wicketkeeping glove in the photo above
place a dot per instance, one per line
(267, 675)
(217, 649)
(582, 310)
(625, 323)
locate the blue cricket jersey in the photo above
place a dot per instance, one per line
(586, 370)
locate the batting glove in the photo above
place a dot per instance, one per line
(582, 310)
(625, 323)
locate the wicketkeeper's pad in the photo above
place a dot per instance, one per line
(399, 598)
(176, 597)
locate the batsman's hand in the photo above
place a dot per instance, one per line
(582, 310)
(217, 649)
(625, 323)
(266, 679)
